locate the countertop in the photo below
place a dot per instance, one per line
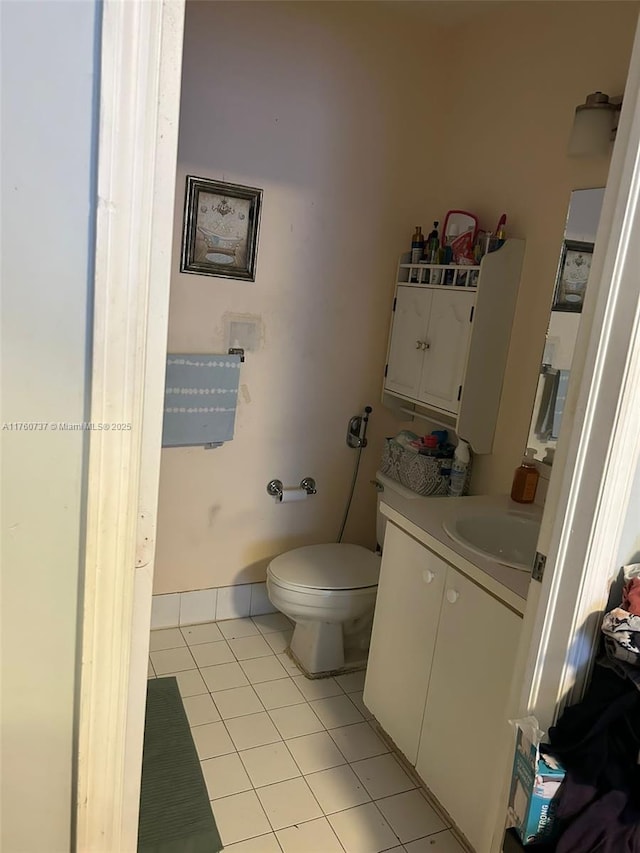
(423, 518)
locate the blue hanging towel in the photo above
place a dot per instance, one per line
(201, 395)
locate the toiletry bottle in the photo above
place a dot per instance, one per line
(417, 248)
(525, 479)
(451, 235)
(461, 459)
(432, 250)
(433, 243)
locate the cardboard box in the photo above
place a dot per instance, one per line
(534, 785)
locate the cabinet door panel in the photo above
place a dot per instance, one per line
(448, 336)
(409, 327)
(404, 631)
(465, 733)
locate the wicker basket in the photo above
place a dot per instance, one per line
(424, 475)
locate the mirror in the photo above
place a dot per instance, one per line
(571, 283)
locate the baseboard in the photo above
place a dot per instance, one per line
(210, 605)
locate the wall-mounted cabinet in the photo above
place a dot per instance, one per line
(449, 341)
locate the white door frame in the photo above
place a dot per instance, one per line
(599, 443)
(141, 65)
(598, 448)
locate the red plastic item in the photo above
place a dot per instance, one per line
(464, 213)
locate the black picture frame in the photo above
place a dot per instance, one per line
(573, 276)
(220, 229)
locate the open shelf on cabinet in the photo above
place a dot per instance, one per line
(438, 275)
(449, 342)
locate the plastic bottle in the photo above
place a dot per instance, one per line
(525, 479)
(417, 249)
(432, 252)
(461, 459)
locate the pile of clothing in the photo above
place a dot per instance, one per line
(597, 742)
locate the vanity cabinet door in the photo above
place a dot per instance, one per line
(405, 624)
(465, 734)
(447, 341)
(408, 338)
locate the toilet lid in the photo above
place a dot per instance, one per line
(327, 567)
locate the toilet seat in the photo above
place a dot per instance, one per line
(326, 567)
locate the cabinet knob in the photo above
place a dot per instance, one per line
(452, 596)
(419, 344)
(428, 576)
(425, 345)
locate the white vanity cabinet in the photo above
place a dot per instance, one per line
(438, 678)
(449, 343)
(411, 583)
(465, 732)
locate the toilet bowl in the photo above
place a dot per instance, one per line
(329, 591)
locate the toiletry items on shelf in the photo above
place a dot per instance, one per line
(425, 475)
(458, 222)
(433, 254)
(407, 440)
(459, 468)
(417, 250)
(435, 444)
(525, 479)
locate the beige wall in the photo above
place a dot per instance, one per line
(513, 87)
(356, 129)
(329, 117)
(49, 57)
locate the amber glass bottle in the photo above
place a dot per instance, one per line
(525, 479)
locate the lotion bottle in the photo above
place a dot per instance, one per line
(525, 479)
(417, 248)
(461, 459)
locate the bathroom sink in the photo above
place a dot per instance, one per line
(509, 538)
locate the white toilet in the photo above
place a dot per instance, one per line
(329, 591)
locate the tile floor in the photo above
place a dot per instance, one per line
(292, 765)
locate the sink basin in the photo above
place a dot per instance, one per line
(509, 538)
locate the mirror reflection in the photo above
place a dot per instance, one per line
(571, 282)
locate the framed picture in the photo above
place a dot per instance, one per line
(573, 275)
(220, 231)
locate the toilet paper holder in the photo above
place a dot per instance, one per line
(275, 487)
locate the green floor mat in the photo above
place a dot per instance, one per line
(175, 813)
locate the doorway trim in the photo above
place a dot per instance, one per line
(141, 51)
(599, 445)
(139, 111)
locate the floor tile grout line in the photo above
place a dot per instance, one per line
(310, 791)
(305, 776)
(303, 822)
(401, 843)
(284, 741)
(300, 776)
(248, 837)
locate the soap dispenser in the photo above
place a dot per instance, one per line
(525, 479)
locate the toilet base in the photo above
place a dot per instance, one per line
(321, 649)
(356, 660)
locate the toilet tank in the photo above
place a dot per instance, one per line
(388, 485)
